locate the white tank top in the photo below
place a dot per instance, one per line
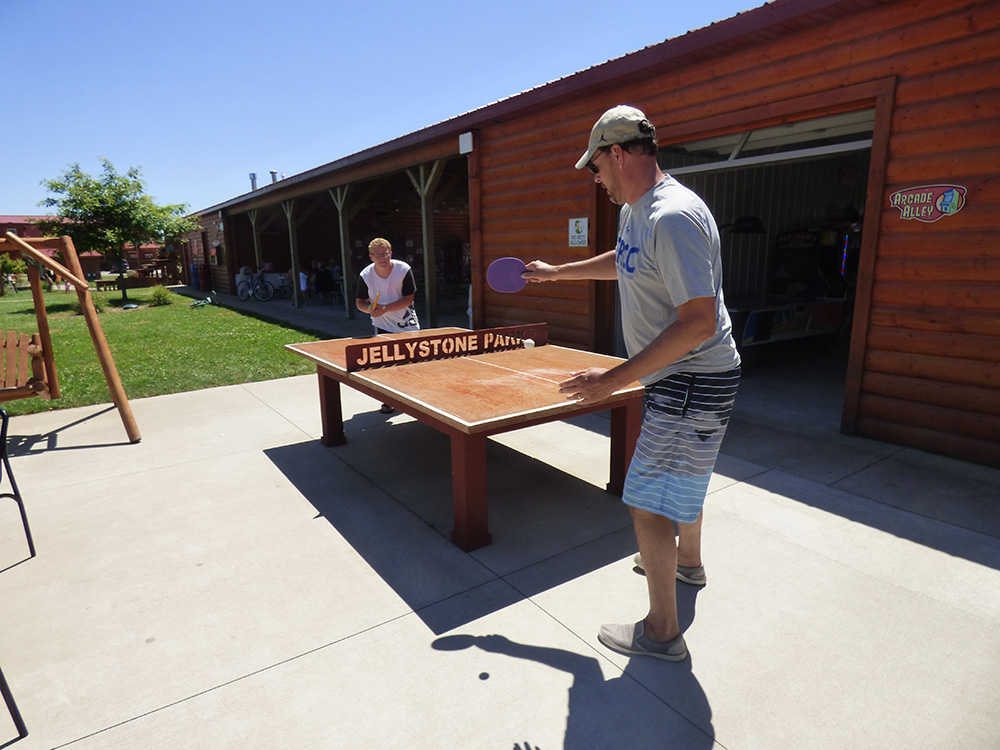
(389, 290)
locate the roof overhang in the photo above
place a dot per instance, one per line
(751, 27)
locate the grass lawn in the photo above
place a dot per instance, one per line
(157, 350)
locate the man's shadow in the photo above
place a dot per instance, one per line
(653, 704)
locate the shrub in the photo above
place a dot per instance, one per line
(100, 303)
(160, 296)
(10, 265)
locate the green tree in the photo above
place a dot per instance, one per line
(9, 268)
(110, 212)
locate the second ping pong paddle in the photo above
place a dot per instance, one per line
(504, 275)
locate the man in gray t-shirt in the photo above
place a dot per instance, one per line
(668, 254)
(680, 346)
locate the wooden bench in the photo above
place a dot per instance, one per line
(22, 367)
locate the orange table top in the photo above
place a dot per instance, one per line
(476, 392)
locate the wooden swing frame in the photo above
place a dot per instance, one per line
(44, 380)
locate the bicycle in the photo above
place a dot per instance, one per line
(258, 286)
(283, 288)
(202, 302)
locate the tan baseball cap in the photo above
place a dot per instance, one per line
(619, 124)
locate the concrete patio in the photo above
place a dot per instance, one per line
(229, 582)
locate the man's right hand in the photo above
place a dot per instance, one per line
(537, 271)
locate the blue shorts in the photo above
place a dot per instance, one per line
(686, 418)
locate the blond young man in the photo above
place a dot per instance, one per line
(385, 291)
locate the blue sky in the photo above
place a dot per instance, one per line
(199, 93)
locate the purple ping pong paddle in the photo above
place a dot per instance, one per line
(504, 275)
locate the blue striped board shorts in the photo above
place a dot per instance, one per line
(682, 429)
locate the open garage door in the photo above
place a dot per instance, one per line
(790, 203)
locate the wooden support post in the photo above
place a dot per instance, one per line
(339, 196)
(468, 482)
(426, 183)
(347, 211)
(111, 376)
(293, 244)
(626, 424)
(35, 279)
(330, 410)
(258, 257)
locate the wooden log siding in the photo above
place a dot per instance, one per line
(924, 371)
(932, 361)
(530, 191)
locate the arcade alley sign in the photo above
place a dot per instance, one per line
(928, 203)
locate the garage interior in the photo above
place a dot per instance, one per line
(789, 200)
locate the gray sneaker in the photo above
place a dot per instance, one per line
(630, 639)
(695, 576)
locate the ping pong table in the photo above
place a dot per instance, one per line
(469, 394)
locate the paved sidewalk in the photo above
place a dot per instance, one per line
(325, 319)
(229, 582)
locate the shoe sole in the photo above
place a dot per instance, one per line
(691, 581)
(638, 652)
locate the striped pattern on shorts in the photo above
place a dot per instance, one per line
(686, 418)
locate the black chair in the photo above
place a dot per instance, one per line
(8, 698)
(14, 494)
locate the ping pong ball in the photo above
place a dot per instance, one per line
(529, 344)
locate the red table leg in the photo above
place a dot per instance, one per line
(468, 481)
(626, 422)
(330, 412)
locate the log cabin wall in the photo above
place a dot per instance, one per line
(529, 193)
(925, 359)
(214, 252)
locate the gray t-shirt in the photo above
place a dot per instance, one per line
(668, 253)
